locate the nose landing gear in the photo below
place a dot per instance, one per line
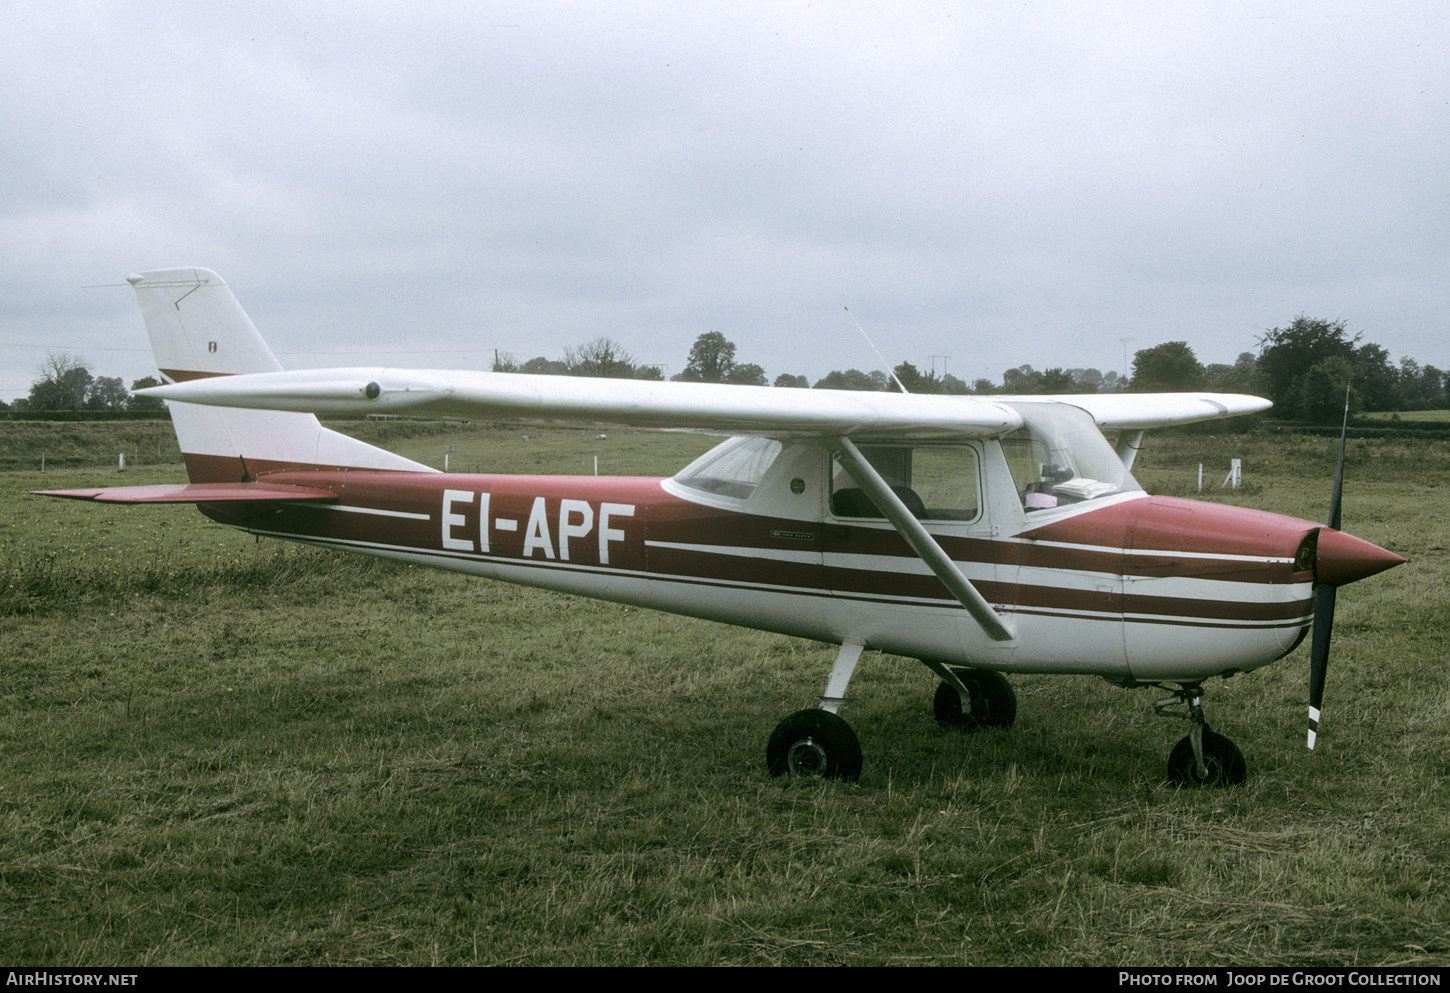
(1203, 757)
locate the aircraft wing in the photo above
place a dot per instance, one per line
(193, 493)
(709, 407)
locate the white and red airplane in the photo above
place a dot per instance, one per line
(981, 535)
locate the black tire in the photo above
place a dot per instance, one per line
(993, 704)
(1225, 763)
(814, 743)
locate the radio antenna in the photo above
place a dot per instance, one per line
(889, 371)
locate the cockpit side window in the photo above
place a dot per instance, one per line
(936, 482)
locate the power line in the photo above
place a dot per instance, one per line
(349, 351)
(78, 348)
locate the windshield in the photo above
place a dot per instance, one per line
(1059, 456)
(733, 468)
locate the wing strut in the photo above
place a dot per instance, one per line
(865, 476)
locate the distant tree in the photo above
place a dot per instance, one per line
(1058, 381)
(602, 358)
(914, 380)
(1421, 387)
(1286, 354)
(1023, 379)
(788, 381)
(747, 374)
(505, 362)
(953, 386)
(1220, 377)
(910, 378)
(983, 387)
(712, 357)
(851, 379)
(63, 384)
(1376, 379)
(1167, 368)
(540, 366)
(653, 372)
(1086, 380)
(147, 404)
(1322, 388)
(106, 393)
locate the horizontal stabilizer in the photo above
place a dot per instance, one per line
(193, 493)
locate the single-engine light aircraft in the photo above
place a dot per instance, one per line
(981, 535)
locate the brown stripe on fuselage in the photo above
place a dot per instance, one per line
(187, 375)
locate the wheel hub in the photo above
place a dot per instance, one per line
(806, 758)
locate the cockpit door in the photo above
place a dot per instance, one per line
(878, 583)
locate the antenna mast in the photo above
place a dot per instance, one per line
(889, 371)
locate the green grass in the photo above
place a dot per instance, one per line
(214, 751)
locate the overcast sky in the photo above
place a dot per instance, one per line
(1001, 183)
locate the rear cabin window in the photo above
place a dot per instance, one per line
(936, 482)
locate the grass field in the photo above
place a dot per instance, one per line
(218, 751)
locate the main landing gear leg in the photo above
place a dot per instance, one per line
(816, 742)
(972, 699)
(1203, 757)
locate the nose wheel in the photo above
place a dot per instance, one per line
(1202, 758)
(1222, 763)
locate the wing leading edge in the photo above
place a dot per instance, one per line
(1139, 411)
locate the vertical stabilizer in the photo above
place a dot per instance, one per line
(199, 330)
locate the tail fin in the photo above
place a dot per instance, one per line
(198, 330)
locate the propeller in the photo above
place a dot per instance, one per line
(1339, 558)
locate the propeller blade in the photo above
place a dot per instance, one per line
(1319, 654)
(1324, 596)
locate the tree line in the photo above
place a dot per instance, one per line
(1305, 368)
(65, 384)
(1309, 369)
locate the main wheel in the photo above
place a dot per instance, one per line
(992, 703)
(814, 743)
(1222, 758)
